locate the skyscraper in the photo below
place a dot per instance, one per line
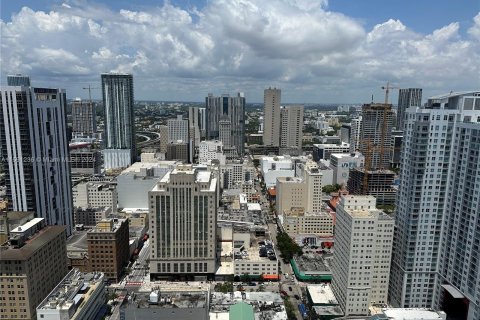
(375, 141)
(271, 116)
(362, 257)
(230, 109)
(119, 132)
(184, 215)
(18, 80)
(437, 235)
(411, 97)
(35, 153)
(83, 117)
(356, 127)
(291, 126)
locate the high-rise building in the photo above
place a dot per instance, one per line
(226, 108)
(163, 139)
(363, 251)
(18, 80)
(196, 124)
(355, 128)
(83, 118)
(271, 116)
(437, 239)
(108, 247)
(291, 126)
(411, 97)
(32, 263)
(183, 225)
(35, 153)
(376, 135)
(119, 131)
(178, 130)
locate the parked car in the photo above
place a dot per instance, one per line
(297, 297)
(290, 288)
(283, 292)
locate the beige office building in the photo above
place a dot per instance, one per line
(32, 263)
(271, 116)
(297, 221)
(291, 126)
(183, 214)
(362, 257)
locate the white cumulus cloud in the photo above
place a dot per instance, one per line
(312, 53)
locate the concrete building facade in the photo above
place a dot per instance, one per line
(34, 146)
(291, 126)
(183, 214)
(411, 97)
(31, 265)
(108, 248)
(362, 257)
(437, 207)
(271, 116)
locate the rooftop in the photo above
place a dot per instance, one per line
(138, 166)
(33, 244)
(74, 289)
(327, 311)
(270, 304)
(322, 294)
(313, 265)
(411, 314)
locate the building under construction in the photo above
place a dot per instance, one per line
(376, 135)
(379, 183)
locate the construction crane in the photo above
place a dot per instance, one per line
(387, 89)
(89, 88)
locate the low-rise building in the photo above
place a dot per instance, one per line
(108, 247)
(275, 167)
(211, 150)
(342, 163)
(169, 302)
(297, 221)
(255, 258)
(9, 220)
(135, 181)
(95, 194)
(408, 314)
(89, 217)
(323, 151)
(79, 296)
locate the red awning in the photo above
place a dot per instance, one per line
(270, 276)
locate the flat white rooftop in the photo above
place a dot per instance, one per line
(413, 314)
(322, 294)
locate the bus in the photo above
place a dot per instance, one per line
(303, 310)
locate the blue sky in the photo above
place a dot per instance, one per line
(316, 51)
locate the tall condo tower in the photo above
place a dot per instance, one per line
(271, 116)
(437, 235)
(226, 113)
(119, 132)
(184, 214)
(411, 97)
(35, 154)
(291, 128)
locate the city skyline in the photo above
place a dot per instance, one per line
(192, 48)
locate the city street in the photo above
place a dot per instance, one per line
(140, 267)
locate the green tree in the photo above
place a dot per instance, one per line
(288, 248)
(329, 188)
(225, 287)
(289, 309)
